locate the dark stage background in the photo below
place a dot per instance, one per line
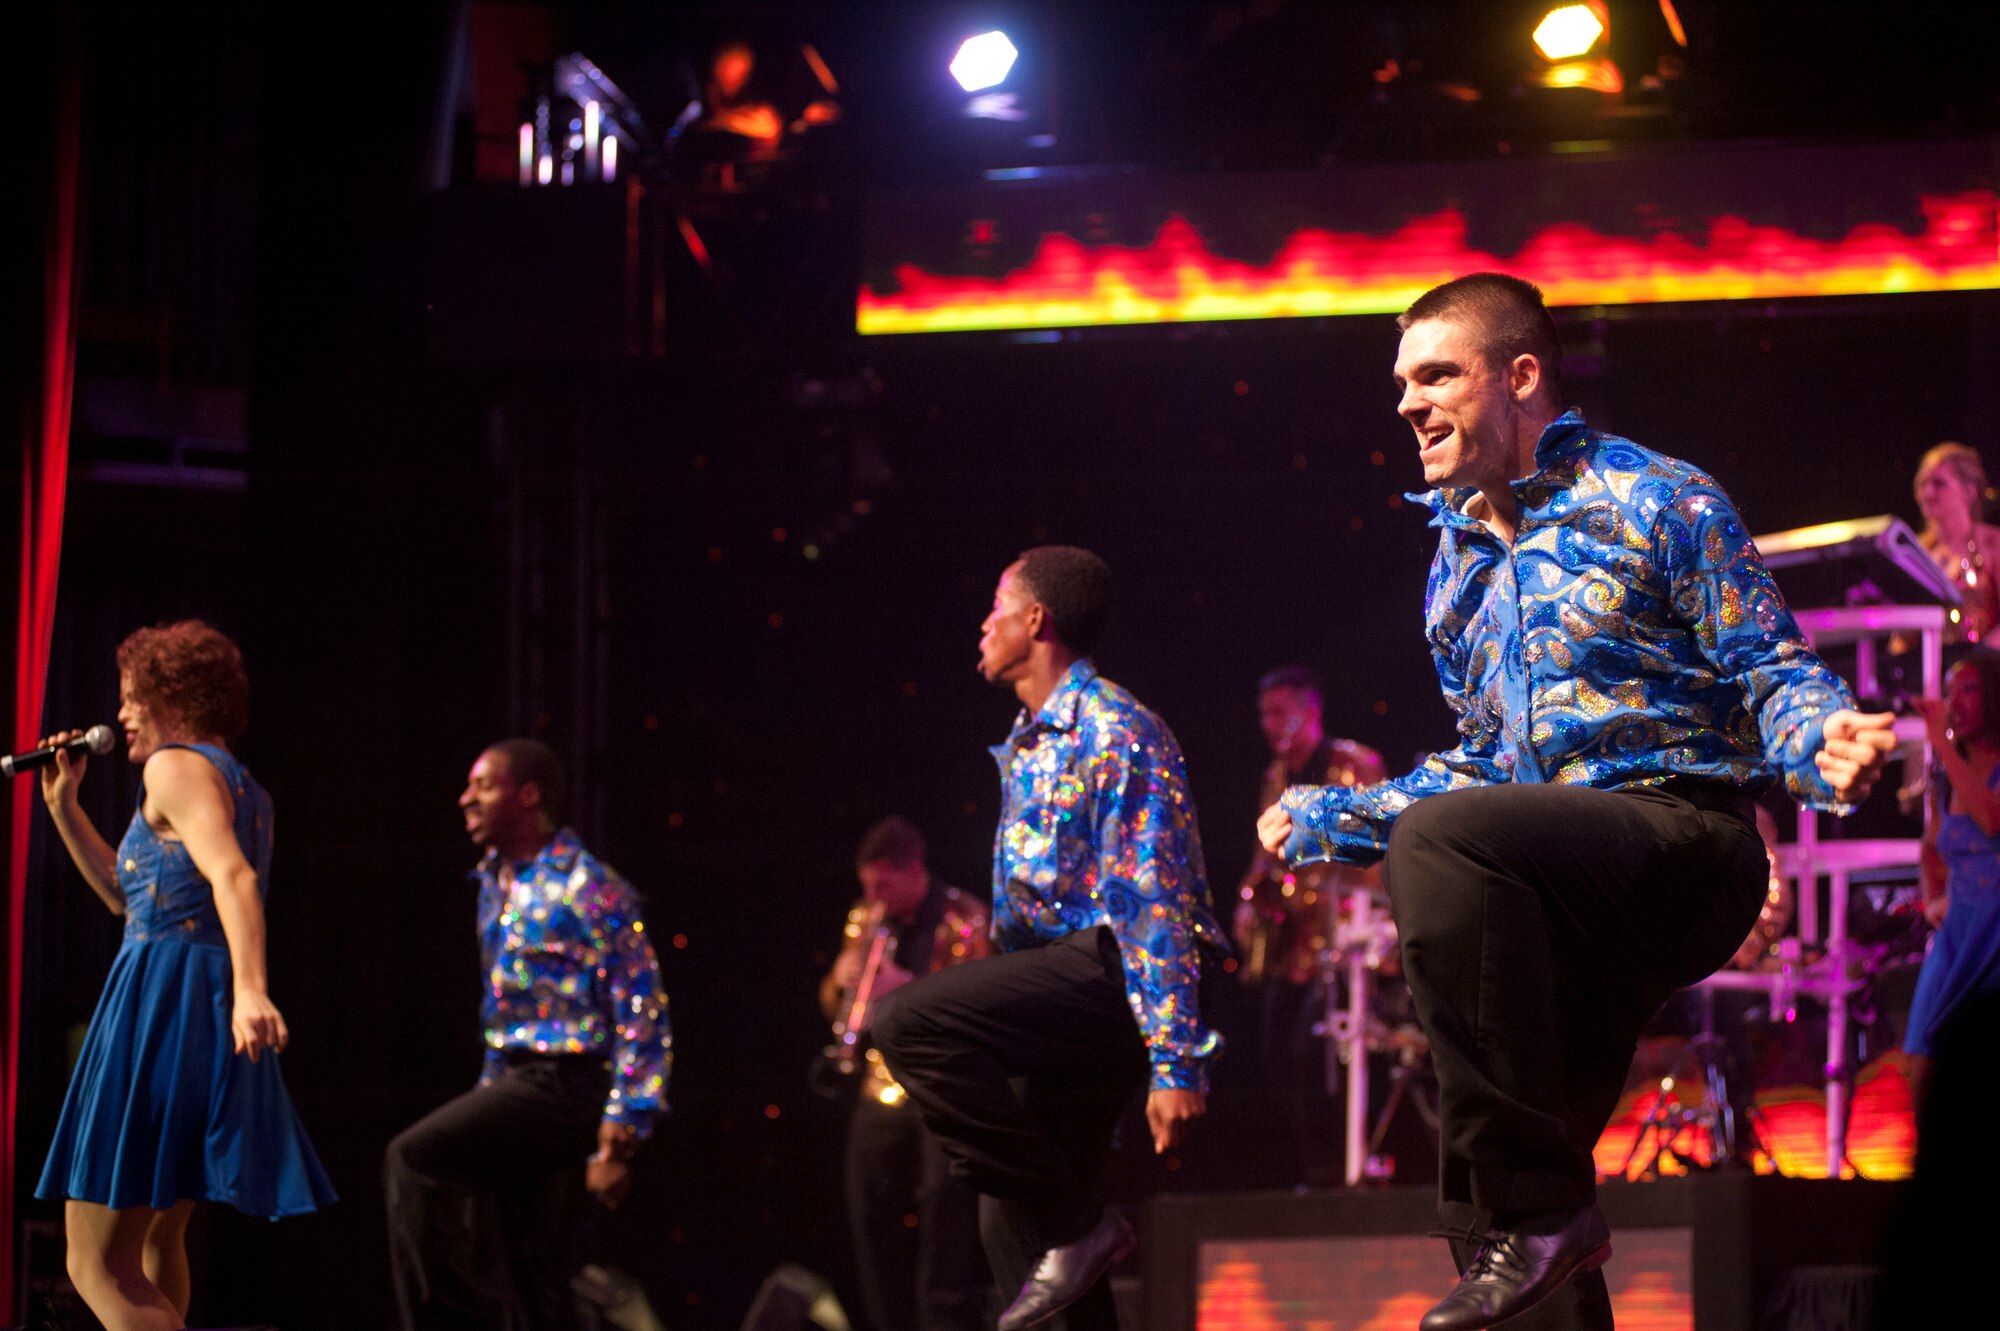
(431, 552)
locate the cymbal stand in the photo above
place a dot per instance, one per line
(1404, 1080)
(1362, 936)
(1716, 1119)
(1664, 1124)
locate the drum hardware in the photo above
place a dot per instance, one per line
(1840, 980)
(1714, 1117)
(1807, 859)
(1404, 1081)
(1363, 943)
(1664, 1125)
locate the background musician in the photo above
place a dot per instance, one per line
(1951, 490)
(1284, 920)
(926, 1278)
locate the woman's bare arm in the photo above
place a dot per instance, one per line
(188, 793)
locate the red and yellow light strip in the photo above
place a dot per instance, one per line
(1178, 279)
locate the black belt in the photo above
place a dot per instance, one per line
(516, 1055)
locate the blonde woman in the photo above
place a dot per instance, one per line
(1951, 490)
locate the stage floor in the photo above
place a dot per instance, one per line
(1698, 1253)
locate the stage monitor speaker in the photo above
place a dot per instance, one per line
(794, 1299)
(1866, 561)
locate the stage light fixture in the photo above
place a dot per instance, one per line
(1570, 31)
(983, 61)
(579, 119)
(1673, 21)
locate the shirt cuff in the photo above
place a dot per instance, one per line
(641, 1121)
(1180, 1074)
(1308, 844)
(1803, 781)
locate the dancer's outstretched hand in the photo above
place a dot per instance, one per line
(1853, 747)
(608, 1174)
(1168, 1114)
(1274, 828)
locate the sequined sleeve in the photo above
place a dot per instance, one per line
(642, 1054)
(1152, 890)
(1723, 592)
(1351, 823)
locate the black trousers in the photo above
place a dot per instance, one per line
(1021, 1065)
(480, 1195)
(925, 1276)
(1292, 1063)
(1541, 928)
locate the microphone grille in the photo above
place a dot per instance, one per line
(99, 739)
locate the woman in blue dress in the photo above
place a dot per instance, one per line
(1961, 856)
(177, 1097)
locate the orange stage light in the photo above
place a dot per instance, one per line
(1177, 278)
(1569, 31)
(1596, 75)
(1881, 1124)
(1673, 18)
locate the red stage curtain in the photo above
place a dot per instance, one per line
(44, 471)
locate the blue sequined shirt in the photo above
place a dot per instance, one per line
(569, 971)
(1630, 634)
(1097, 828)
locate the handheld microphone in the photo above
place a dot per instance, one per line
(97, 739)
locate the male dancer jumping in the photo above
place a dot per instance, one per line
(1022, 1063)
(1624, 674)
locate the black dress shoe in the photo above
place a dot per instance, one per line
(1512, 1272)
(1066, 1274)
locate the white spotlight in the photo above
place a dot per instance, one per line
(983, 61)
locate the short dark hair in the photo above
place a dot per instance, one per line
(1303, 678)
(894, 839)
(191, 672)
(1074, 586)
(530, 760)
(1507, 316)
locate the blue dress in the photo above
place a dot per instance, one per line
(161, 1109)
(1964, 960)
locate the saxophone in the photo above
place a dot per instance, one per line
(844, 1057)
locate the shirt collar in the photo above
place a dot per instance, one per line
(1562, 438)
(558, 857)
(1059, 712)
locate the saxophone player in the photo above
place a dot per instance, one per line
(1285, 918)
(926, 1277)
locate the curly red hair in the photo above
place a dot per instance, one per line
(191, 672)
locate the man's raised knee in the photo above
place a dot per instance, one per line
(1424, 843)
(1417, 831)
(397, 1159)
(893, 1027)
